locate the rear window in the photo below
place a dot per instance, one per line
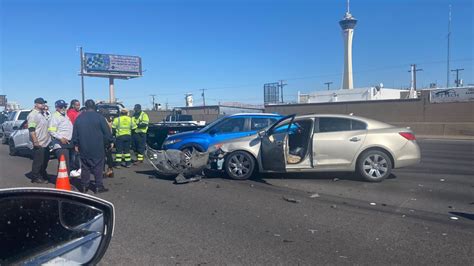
(23, 115)
(358, 125)
(334, 124)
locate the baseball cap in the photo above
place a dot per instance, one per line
(60, 104)
(40, 100)
(137, 107)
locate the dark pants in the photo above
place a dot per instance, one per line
(75, 160)
(67, 157)
(40, 163)
(139, 140)
(92, 166)
(122, 154)
(109, 158)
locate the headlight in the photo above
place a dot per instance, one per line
(169, 142)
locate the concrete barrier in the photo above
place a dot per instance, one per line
(423, 117)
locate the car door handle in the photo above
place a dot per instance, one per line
(354, 139)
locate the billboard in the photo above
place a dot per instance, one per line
(271, 93)
(450, 95)
(108, 64)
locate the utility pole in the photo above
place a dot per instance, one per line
(449, 39)
(153, 97)
(413, 81)
(457, 81)
(328, 83)
(203, 97)
(281, 85)
(81, 55)
(413, 76)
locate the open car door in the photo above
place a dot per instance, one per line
(272, 148)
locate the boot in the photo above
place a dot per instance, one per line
(83, 188)
(101, 189)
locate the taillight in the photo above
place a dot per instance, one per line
(408, 135)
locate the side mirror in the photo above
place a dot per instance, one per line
(262, 133)
(213, 131)
(49, 226)
(15, 128)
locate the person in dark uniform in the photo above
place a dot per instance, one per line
(91, 133)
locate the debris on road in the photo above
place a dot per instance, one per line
(333, 206)
(312, 231)
(335, 179)
(315, 195)
(176, 162)
(277, 235)
(292, 200)
(180, 179)
(287, 241)
(373, 203)
(442, 180)
(454, 218)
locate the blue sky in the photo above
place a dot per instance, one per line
(229, 47)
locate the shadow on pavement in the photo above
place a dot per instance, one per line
(335, 176)
(465, 215)
(155, 174)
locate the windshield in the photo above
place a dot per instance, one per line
(207, 128)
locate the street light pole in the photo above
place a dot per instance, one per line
(82, 76)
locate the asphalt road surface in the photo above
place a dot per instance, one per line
(292, 219)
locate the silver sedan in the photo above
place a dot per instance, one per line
(320, 143)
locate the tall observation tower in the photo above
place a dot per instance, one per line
(348, 24)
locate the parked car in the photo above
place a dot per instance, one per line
(19, 141)
(15, 119)
(321, 143)
(225, 128)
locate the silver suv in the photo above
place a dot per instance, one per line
(19, 141)
(15, 119)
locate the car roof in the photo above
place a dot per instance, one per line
(256, 114)
(370, 122)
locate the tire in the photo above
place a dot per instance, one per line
(12, 150)
(188, 150)
(374, 165)
(239, 165)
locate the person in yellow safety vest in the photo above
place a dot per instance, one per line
(122, 127)
(140, 119)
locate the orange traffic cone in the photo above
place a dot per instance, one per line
(62, 182)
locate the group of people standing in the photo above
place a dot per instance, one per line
(86, 138)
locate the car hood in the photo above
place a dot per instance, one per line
(195, 134)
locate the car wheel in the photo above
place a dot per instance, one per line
(11, 146)
(188, 151)
(239, 165)
(374, 165)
